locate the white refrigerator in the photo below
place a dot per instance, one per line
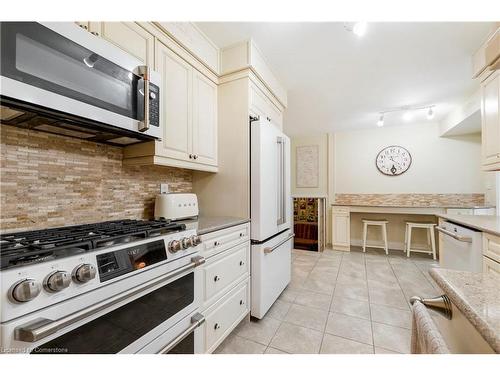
(271, 215)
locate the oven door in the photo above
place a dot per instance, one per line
(61, 67)
(139, 317)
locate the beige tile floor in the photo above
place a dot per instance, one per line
(338, 302)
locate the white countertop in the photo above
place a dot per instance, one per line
(484, 223)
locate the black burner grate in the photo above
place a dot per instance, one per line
(39, 245)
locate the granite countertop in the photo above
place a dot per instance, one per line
(408, 206)
(477, 296)
(484, 223)
(207, 224)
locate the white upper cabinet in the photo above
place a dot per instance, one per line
(129, 36)
(490, 117)
(246, 55)
(204, 120)
(263, 107)
(195, 41)
(176, 104)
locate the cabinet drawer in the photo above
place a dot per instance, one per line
(490, 266)
(216, 242)
(223, 316)
(491, 246)
(340, 210)
(224, 269)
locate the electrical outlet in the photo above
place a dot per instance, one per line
(163, 188)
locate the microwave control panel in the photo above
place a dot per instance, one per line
(154, 105)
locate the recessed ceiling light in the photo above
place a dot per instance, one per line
(359, 28)
(430, 114)
(380, 121)
(407, 116)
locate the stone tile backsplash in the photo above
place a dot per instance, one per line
(410, 200)
(49, 180)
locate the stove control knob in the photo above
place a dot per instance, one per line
(195, 240)
(57, 281)
(84, 273)
(25, 290)
(186, 242)
(174, 246)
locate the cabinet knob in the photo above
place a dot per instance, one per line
(94, 33)
(216, 278)
(216, 326)
(190, 156)
(241, 234)
(84, 27)
(195, 156)
(241, 302)
(216, 243)
(241, 263)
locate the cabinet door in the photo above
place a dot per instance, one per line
(490, 119)
(258, 102)
(175, 102)
(129, 36)
(204, 119)
(341, 229)
(491, 267)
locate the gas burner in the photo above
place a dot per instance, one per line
(33, 258)
(23, 248)
(117, 241)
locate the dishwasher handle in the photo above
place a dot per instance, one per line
(454, 235)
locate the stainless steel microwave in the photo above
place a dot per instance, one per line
(57, 77)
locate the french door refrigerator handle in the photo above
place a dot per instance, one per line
(40, 328)
(281, 187)
(268, 250)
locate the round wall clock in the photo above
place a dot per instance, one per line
(393, 160)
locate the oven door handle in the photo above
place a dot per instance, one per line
(145, 73)
(196, 321)
(41, 328)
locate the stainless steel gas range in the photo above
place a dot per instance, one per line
(113, 287)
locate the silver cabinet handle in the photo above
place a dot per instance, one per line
(441, 304)
(40, 328)
(268, 250)
(197, 320)
(454, 235)
(216, 278)
(216, 326)
(145, 72)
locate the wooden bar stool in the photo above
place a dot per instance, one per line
(431, 239)
(383, 226)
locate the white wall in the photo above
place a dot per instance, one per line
(439, 165)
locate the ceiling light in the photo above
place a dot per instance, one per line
(380, 121)
(407, 116)
(359, 28)
(430, 114)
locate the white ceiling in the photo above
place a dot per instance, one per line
(338, 81)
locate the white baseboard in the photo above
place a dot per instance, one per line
(393, 245)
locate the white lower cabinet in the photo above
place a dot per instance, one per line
(224, 315)
(341, 228)
(224, 270)
(490, 266)
(226, 282)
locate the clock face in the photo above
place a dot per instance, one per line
(393, 160)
